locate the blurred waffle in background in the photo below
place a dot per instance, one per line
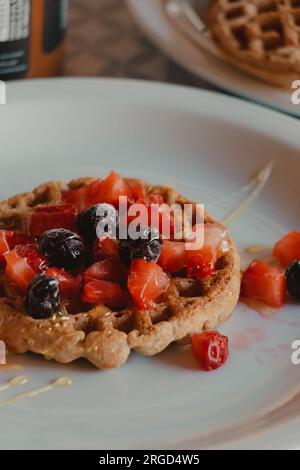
(260, 37)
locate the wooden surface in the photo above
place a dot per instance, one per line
(103, 40)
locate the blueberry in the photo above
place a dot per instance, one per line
(64, 248)
(43, 297)
(148, 246)
(90, 218)
(292, 275)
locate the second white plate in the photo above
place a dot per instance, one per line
(151, 16)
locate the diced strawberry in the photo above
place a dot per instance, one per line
(264, 283)
(201, 262)
(49, 217)
(70, 286)
(108, 190)
(146, 282)
(34, 257)
(97, 292)
(110, 269)
(105, 248)
(210, 349)
(113, 187)
(173, 256)
(138, 191)
(6, 238)
(287, 249)
(21, 239)
(201, 265)
(85, 196)
(18, 271)
(157, 216)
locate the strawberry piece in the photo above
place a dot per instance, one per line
(201, 262)
(210, 349)
(173, 256)
(98, 292)
(264, 283)
(6, 239)
(201, 265)
(108, 190)
(157, 216)
(113, 187)
(287, 249)
(70, 286)
(21, 239)
(18, 271)
(138, 191)
(85, 196)
(146, 282)
(49, 217)
(34, 257)
(110, 269)
(105, 248)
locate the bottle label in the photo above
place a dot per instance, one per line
(14, 37)
(55, 22)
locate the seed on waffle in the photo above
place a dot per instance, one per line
(106, 335)
(261, 37)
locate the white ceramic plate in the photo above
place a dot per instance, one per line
(208, 146)
(152, 18)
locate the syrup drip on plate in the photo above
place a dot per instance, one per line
(61, 382)
(255, 187)
(15, 382)
(255, 249)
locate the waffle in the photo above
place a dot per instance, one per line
(106, 337)
(260, 37)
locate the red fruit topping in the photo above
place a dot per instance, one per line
(173, 256)
(49, 217)
(85, 196)
(210, 349)
(70, 286)
(6, 239)
(157, 215)
(201, 265)
(287, 249)
(138, 191)
(105, 248)
(108, 190)
(34, 257)
(97, 292)
(107, 270)
(146, 282)
(18, 271)
(201, 262)
(113, 187)
(21, 239)
(264, 283)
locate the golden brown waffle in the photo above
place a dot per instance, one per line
(106, 337)
(261, 37)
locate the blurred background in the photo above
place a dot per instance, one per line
(104, 40)
(91, 38)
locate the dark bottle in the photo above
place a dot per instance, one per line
(32, 36)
